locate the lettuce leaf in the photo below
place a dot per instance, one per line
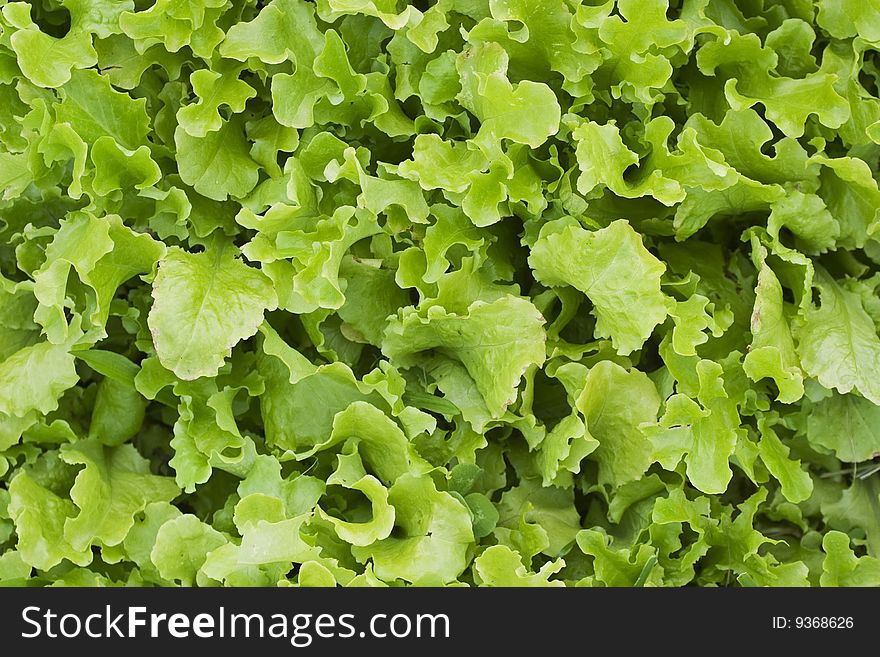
(454, 293)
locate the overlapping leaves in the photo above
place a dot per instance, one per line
(502, 293)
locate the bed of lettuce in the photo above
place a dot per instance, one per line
(459, 292)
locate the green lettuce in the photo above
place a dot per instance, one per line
(454, 293)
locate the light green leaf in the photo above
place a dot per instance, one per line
(213, 88)
(45, 60)
(615, 403)
(615, 566)
(796, 484)
(95, 109)
(118, 168)
(501, 566)
(841, 567)
(181, 546)
(15, 174)
(219, 164)
(847, 18)
(203, 305)
(381, 522)
(857, 512)
(383, 445)
(176, 24)
(772, 353)
(746, 65)
(432, 533)
(616, 272)
(838, 342)
(526, 113)
(118, 412)
(40, 515)
(115, 485)
(495, 340)
(848, 425)
(33, 379)
(534, 518)
(273, 541)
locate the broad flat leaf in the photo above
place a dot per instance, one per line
(15, 174)
(45, 60)
(181, 546)
(796, 484)
(526, 113)
(838, 342)
(219, 164)
(615, 403)
(40, 515)
(494, 341)
(115, 485)
(90, 103)
(616, 272)
(848, 18)
(203, 305)
(848, 425)
(34, 377)
(857, 511)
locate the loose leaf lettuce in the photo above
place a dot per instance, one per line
(217, 300)
(481, 293)
(613, 268)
